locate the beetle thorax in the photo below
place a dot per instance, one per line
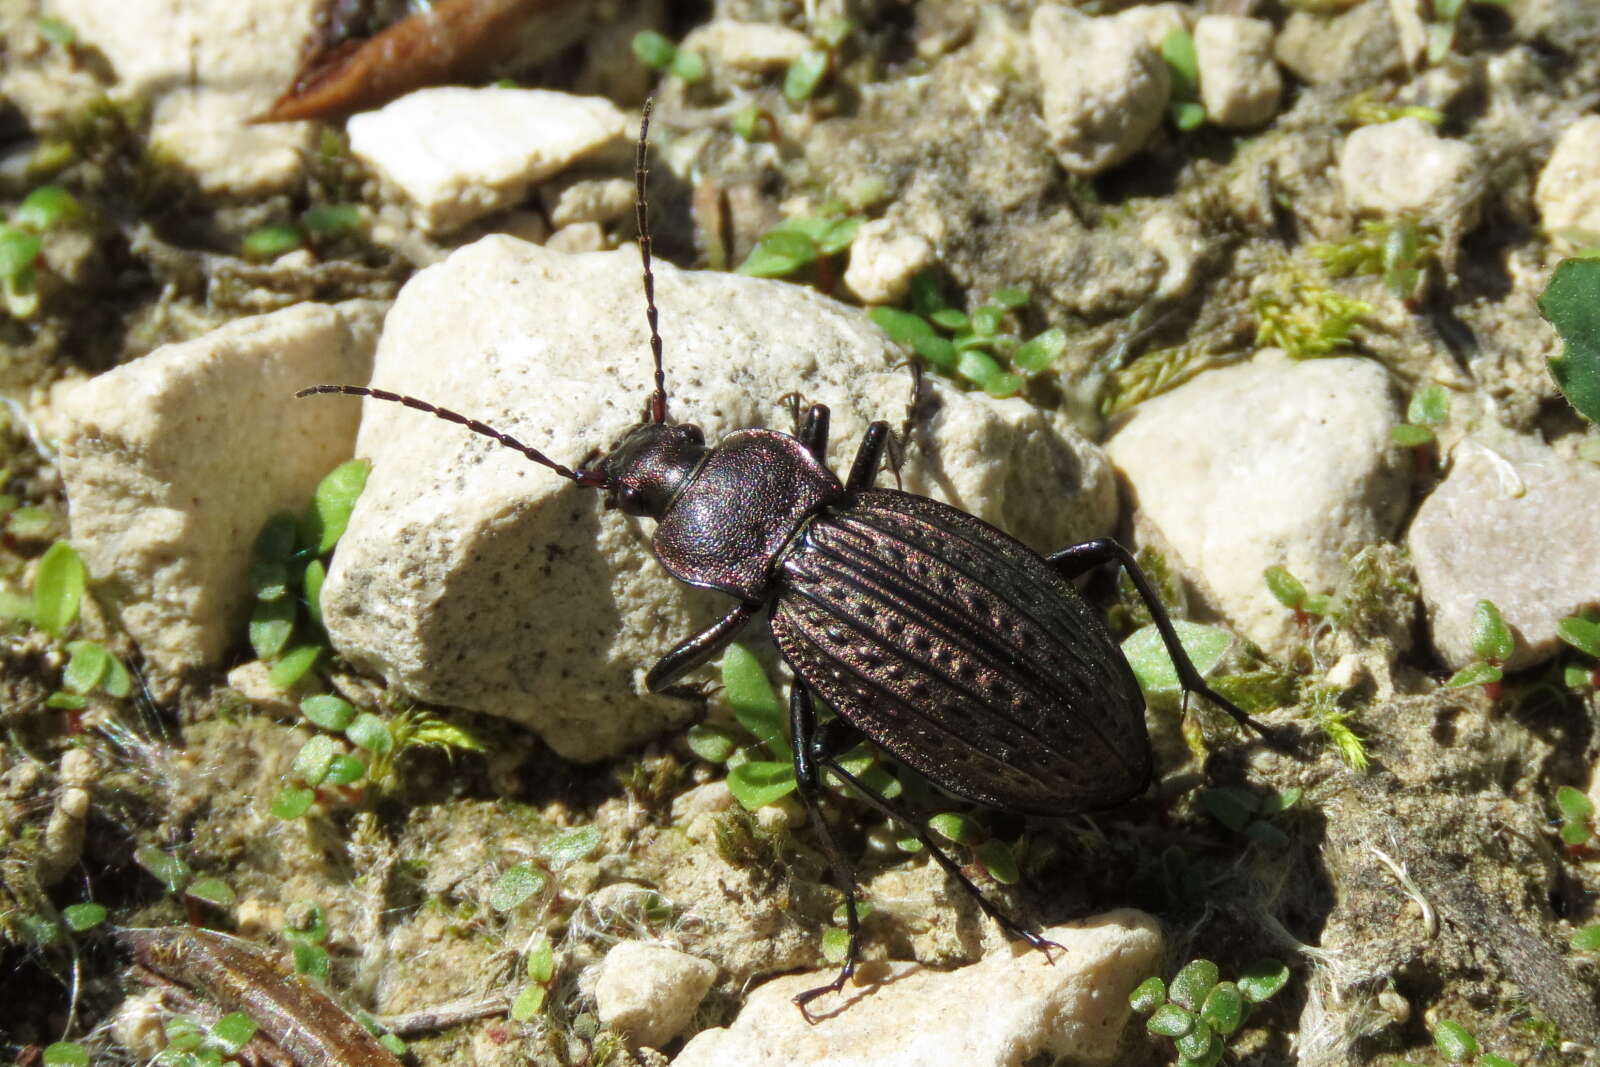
(648, 466)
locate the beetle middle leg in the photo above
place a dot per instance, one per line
(1077, 559)
(869, 457)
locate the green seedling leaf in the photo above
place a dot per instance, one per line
(1455, 1042)
(328, 711)
(777, 253)
(528, 1003)
(835, 944)
(269, 580)
(85, 916)
(18, 253)
(1193, 983)
(1581, 634)
(233, 1032)
(976, 367)
(331, 221)
(1281, 801)
(987, 320)
(1197, 1043)
(1039, 352)
(878, 779)
(275, 542)
(168, 869)
(927, 295)
(58, 32)
(1148, 995)
(1223, 1009)
(1575, 833)
(957, 828)
(1177, 48)
(1571, 303)
(902, 326)
(311, 960)
(1573, 803)
(1489, 1059)
(1170, 1020)
(998, 859)
(1010, 298)
(329, 514)
(295, 665)
(87, 666)
(1491, 638)
(31, 524)
(839, 235)
(184, 1034)
(1587, 939)
(65, 1054)
(1188, 114)
(951, 319)
(291, 802)
(308, 923)
(370, 732)
(570, 846)
(710, 744)
(757, 783)
(1285, 587)
(1475, 674)
(58, 585)
(1263, 979)
(939, 351)
(270, 242)
(832, 32)
(805, 73)
(311, 584)
(754, 701)
(345, 770)
(212, 891)
(516, 886)
(688, 66)
(653, 50)
(1429, 406)
(271, 626)
(312, 761)
(46, 208)
(1233, 808)
(541, 965)
(1147, 653)
(59, 701)
(1408, 435)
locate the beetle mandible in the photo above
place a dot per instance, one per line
(960, 651)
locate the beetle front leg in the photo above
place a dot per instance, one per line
(698, 649)
(810, 746)
(1077, 559)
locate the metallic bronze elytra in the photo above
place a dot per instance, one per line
(927, 631)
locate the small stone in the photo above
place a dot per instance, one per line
(650, 992)
(1516, 524)
(205, 68)
(576, 238)
(587, 200)
(1360, 45)
(1010, 1008)
(1568, 193)
(173, 463)
(253, 681)
(883, 259)
(757, 47)
(1157, 21)
(1104, 87)
(459, 154)
(1405, 168)
(1239, 81)
(1309, 475)
(712, 797)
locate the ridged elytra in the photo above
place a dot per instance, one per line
(929, 632)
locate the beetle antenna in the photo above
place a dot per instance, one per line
(658, 399)
(587, 479)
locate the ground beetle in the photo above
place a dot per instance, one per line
(962, 652)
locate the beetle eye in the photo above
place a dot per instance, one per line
(630, 500)
(695, 434)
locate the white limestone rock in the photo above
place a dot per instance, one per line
(587, 199)
(1156, 21)
(883, 258)
(1568, 193)
(1514, 523)
(756, 47)
(1239, 81)
(206, 67)
(473, 578)
(1010, 1008)
(173, 462)
(1265, 463)
(459, 154)
(650, 992)
(1405, 168)
(1104, 87)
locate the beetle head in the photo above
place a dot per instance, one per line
(648, 466)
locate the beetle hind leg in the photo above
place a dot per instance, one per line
(1077, 559)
